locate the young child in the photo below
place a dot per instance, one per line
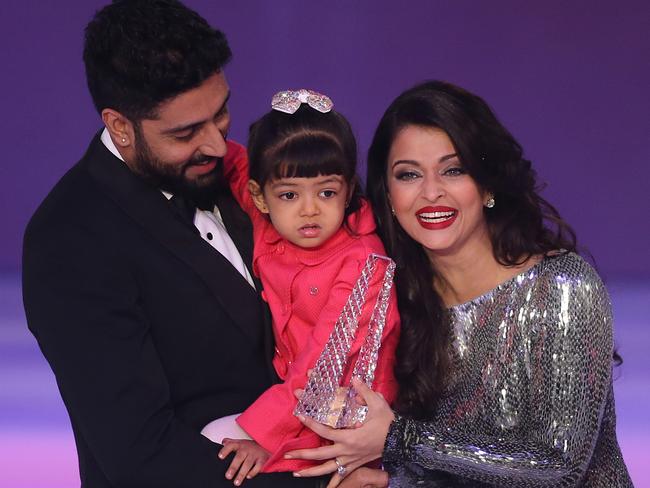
(313, 234)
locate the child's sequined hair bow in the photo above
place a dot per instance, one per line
(288, 101)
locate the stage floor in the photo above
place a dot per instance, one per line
(37, 448)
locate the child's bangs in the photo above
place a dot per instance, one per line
(309, 156)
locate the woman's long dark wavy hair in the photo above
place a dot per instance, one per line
(521, 224)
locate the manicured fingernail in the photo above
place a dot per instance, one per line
(237, 482)
(229, 474)
(296, 475)
(301, 418)
(288, 456)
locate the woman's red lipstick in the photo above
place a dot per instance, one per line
(436, 218)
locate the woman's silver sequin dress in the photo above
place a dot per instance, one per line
(530, 402)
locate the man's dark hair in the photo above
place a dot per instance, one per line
(139, 53)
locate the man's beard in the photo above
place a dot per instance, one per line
(170, 177)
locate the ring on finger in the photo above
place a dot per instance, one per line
(340, 468)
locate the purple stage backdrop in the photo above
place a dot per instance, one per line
(570, 79)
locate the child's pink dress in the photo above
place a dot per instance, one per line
(306, 290)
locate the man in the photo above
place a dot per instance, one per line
(143, 304)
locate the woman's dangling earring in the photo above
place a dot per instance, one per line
(490, 202)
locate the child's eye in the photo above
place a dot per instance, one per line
(454, 171)
(287, 195)
(327, 193)
(406, 175)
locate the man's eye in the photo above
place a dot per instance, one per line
(287, 195)
(221, 113)
(406, 175)
(327, 193)
(184, 136)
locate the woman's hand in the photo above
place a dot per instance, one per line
(247, 462)
(352, 448)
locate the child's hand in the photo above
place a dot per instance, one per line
(247, 462)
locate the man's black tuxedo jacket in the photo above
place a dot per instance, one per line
(150, 332)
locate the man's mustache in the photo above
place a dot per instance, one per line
(204, 159)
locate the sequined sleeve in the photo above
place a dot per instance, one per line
(537, 408)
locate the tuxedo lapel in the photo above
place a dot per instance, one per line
(151, 210)
(238, 226)
(240, 230)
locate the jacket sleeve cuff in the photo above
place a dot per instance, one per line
(395, 446)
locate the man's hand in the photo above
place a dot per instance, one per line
(248, 460)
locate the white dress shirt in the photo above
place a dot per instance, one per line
(209, 224)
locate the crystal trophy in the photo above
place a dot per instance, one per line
(325, 398)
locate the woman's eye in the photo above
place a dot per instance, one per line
(454, 171)
(406, 175)
(287, 195)
(327, 193)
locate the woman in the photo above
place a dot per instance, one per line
(506, 353)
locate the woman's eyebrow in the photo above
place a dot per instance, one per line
(444, 158)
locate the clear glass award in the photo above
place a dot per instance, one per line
(325, 398)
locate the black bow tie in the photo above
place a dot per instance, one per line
(186, 208)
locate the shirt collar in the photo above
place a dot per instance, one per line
(110, 145)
